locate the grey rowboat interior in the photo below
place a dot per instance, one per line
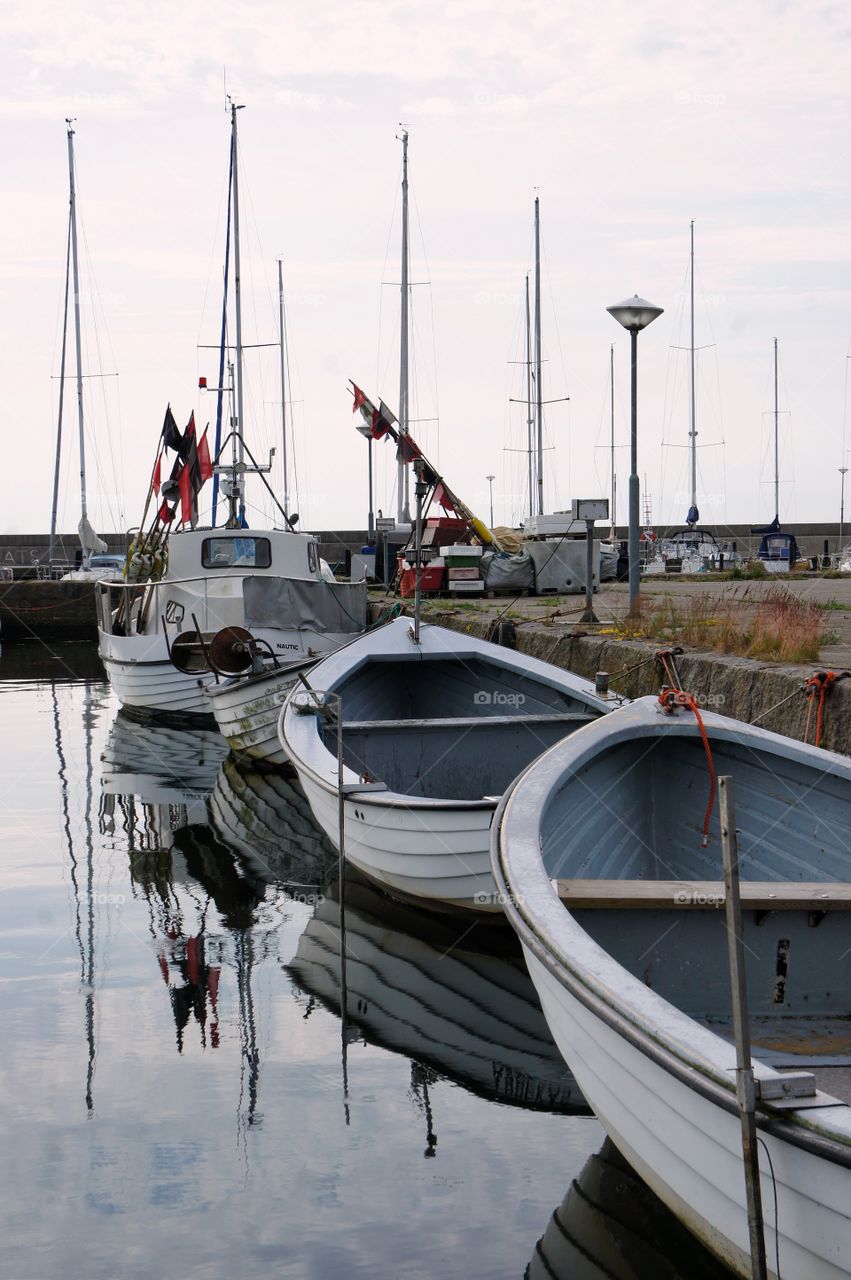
(621, 836)
(491, 722)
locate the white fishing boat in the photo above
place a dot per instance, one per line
(431, 988)
(434, 730)
(598, 851)
(157, 630)
(267, 582)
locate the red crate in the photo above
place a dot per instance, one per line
(430, 580)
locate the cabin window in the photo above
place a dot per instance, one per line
(236, 553)
(312, 557)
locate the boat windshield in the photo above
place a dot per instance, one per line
(236, 553)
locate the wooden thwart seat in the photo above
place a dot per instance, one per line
(469, 722)
(661, 895)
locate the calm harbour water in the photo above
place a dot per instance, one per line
(180, 1094)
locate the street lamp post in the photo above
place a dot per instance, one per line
(843, 471)
(634, 314)
(490, 480)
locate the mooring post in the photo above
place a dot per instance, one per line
(334, 705)
(745, 1086)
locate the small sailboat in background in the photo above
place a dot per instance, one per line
(778, 549)
(91, 546)
(691, 550)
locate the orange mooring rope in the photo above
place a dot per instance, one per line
(670, 699)
(820, 682)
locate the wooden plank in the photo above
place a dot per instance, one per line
(470, 722)
(662, 895)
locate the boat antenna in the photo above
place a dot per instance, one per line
(224, 331)
(530, 421)
(776, 442)
(539, 404)
(53, 510)
(693, 513)
(76, 270)
(283, 337)
(614, 474)
(237, 293)
(402, 486)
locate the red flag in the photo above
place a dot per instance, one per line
(186, 494)
(408, 449)
(205, 466)
(157, 480)
(441, 495)
(165, 514)
(358, 399)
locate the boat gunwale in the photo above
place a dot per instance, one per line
(230, 684)
(546, 926)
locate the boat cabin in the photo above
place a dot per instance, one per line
(202, 553)
(778, 550)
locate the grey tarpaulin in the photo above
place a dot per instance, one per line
(305, 604)
(508, 573)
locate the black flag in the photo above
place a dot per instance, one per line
(172, 439)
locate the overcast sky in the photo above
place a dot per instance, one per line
(627, 120)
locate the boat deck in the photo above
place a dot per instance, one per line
(786, 1043)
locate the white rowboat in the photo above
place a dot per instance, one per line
(433, 734)
(597, 849)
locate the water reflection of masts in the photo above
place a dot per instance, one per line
(421, 1078)
(249, 1078)
(87, 947)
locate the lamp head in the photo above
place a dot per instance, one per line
(634, 313)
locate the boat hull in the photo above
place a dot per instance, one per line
(247, 712)
(688, 1150)
(438, 857)
(146, 683)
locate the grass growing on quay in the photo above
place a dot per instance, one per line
(776, 626)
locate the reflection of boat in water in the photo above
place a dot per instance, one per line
(267, 821)
(456, 999)
(159, 764)
(610, 1226)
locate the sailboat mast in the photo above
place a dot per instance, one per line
(282, 323)
(614, 475)
(237, 292)
(539, 407)
(76, 271)
(403, 500)
(530, 421)
(693, 431)
(55, 505)
(776, 441)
